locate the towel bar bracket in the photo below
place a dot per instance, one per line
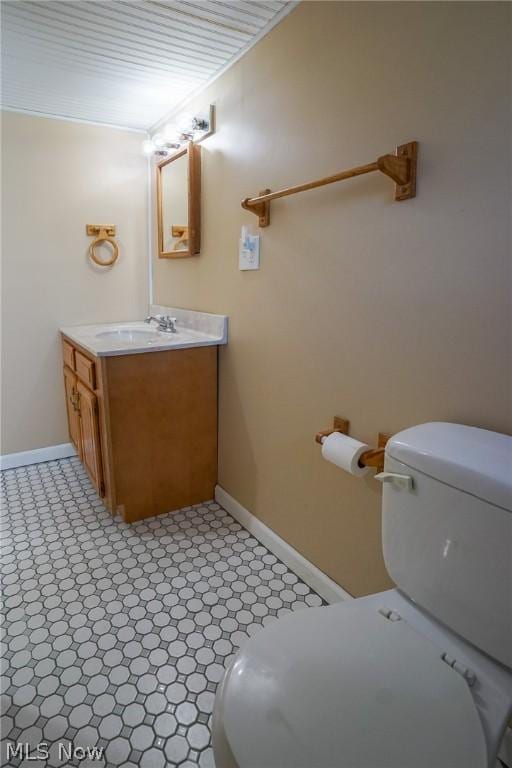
(262, 210)
(406, 189)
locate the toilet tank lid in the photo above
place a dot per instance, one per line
(473, 460)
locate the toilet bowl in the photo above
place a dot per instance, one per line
(382, 681)
(360, 684)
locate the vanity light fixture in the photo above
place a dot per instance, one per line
(194, 128)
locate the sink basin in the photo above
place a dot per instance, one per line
(132, 335)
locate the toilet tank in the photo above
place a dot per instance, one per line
(447, 539)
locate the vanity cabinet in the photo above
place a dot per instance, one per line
(144, 426)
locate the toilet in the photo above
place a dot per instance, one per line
(415, 677)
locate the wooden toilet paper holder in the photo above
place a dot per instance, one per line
(374, 457)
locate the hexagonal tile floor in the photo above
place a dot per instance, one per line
(115, 636)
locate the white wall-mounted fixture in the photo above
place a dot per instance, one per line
(249, 250)
(188, 127)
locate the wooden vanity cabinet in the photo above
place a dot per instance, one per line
(145, 426)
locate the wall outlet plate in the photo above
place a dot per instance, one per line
(249, 253)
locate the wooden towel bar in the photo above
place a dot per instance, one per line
(400, 167)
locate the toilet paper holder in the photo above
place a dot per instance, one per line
(371, 458)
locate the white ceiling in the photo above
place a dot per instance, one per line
(122, 62)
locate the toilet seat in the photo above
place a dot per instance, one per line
(337, 687)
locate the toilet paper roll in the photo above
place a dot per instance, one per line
(344, 451)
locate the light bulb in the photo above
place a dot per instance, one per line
(158, 141)
(148, 147)
(200, 124)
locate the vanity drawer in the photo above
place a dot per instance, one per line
(85, 370)
(68, 354)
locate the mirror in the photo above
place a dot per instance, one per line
(178, 203)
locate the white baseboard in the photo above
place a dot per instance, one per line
(24, 458)
(309, 573)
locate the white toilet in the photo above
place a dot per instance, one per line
(415, 677)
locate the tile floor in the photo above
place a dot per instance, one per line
(116, 636)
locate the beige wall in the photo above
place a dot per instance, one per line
(389, 314)
(58, 176)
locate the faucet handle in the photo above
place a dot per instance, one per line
(170, 323)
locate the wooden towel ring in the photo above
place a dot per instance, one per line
(104, 235)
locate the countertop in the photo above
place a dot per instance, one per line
(194, 329)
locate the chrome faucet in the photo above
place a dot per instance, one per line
(165, 323)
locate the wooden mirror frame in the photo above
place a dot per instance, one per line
(193, 152)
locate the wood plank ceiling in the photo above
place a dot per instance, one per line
(122, 62)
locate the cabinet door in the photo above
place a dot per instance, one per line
(89, 424)
(70, 385)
